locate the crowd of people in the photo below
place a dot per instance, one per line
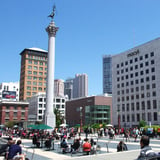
(89, 146)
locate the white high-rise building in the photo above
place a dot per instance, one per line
(80, 85)
(136, 85)
(9, 91)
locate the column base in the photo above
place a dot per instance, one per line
(50, 120)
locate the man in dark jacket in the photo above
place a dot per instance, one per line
(146, 151)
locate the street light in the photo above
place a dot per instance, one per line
(119, 123)
(80, 120)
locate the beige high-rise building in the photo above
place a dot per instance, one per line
(33, 72)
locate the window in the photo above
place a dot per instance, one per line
(138, 117)
(137, 106)
(143, 105)
(147, 71)
(131, 68)
(126, 63)
(147, 86)
(136, 81)
(141, 65)
(148, 105)
(141, 72)
(34, 83)
(136, 74)
(35, 73)
(153, 69)
(155, 116)
(40, 68)
(29, 72)
(152, 54)
(142, 88)
(29, 67)
(153, 85)
(141, 58)
(147, 79)
(153, 78)
(136, 66)
(121, 64)
(154, 94)
(131, 61)
(117, 65)
(142, 95)
(126, 69)
(36, 62)
(146, 63)
(34, 78)
(136, 59)
(40, 73)
(29, 61)
(154, 104)
(35, 67)
(146, 55)
(142, 80)
(29, 77)
(41, 63)
(126, 76)
(152, 62)
(131, 75)
(28, 82)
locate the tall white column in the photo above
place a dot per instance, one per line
(49, 113)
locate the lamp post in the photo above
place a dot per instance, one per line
(119, 122)
(80, 120)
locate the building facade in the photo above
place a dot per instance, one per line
(9, 91)
(80, 86)
(33, 72)
(135, 85)
(13, 111)
(68, 88)
(89, 110)
(107, 74)
(37, 106)
(58, 87)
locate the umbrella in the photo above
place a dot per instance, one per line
(30, 126)
(63, 125)
(109, 125)
(41, 126)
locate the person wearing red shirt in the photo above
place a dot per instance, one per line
(86, 146)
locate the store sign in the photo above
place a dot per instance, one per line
(9, 95)
(133, 53)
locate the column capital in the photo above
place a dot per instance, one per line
(52, 29)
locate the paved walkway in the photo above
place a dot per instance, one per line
(42, 154)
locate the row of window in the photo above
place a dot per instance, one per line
(41, 63)
(37, 68)
(137, 81)
(37, 57)
(36, 78)
(58, 100)
(36, 83)
(138, 117)
(139, 106)
(141, 65)
(136, 74)
(136, 97)
(131, 90)
(146, 56)
(37, 73)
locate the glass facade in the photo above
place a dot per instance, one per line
(107, 74)
(97, 114)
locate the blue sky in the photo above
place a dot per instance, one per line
(88, 29)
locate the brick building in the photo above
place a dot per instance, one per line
(89, 110)
(13, 111)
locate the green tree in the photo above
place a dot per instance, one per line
(59, 117)
(142, 123)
